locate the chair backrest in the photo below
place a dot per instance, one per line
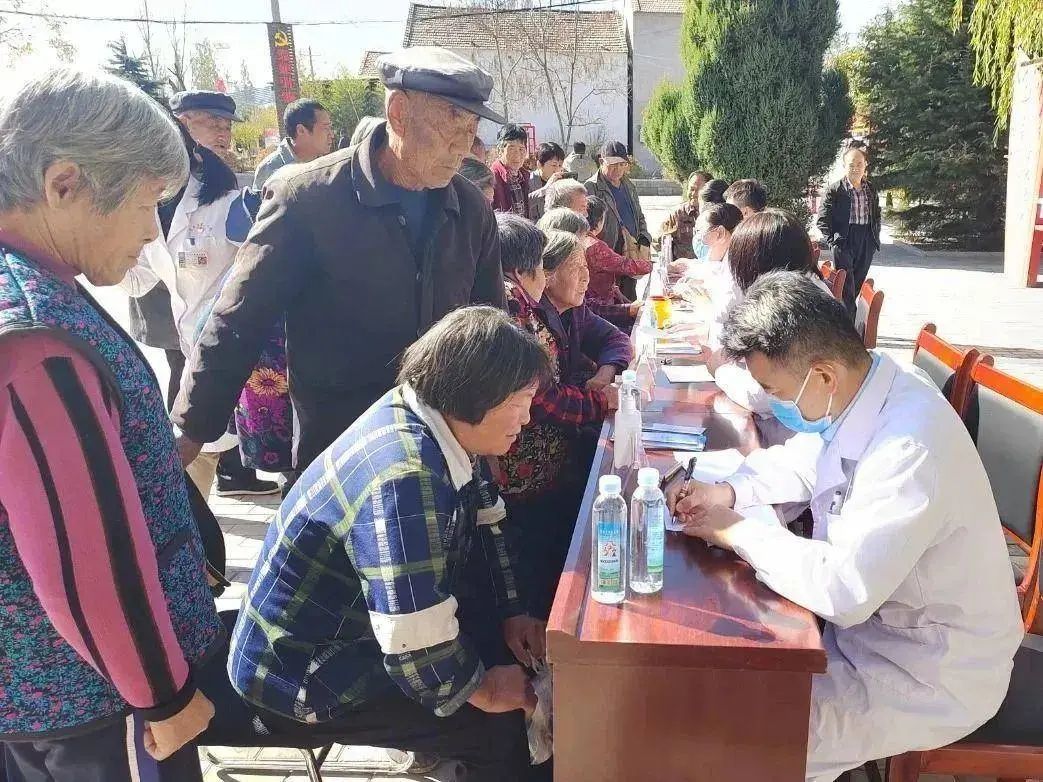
(826, 267)
(1009, 436)
(836, 283)
(867, 313)
(948, 366)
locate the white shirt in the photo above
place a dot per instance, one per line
(907, 565)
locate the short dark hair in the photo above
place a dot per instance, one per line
(772, 240)
(789, 319)
(856, 146)
(471, 361)
(713, 191)
(300, 112)
(521, 243)
(595, 211)
(548, 151)
(476, 172)
(511, 132)
(559, 247)
(579, 147)
(748, 193)
(724, 215)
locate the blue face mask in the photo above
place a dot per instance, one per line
(789, 414)
(702, 251)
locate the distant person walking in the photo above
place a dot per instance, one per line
(579, 164)
(850, 222)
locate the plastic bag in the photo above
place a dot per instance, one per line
(540, 725)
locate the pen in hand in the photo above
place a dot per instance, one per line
(687, 485)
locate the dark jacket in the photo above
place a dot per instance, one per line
(612, 235)
(834, 216)
(330, 251)
(502, 201)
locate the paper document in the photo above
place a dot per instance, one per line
(712, 466)
(765, 513)
(694, 374)
(673, 348)
(658, 427)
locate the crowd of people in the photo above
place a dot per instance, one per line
(425, 345)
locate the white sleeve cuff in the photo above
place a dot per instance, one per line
(743, 487)
(401, 633)
(493, 515)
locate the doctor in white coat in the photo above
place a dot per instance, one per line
(199, 237)
(907, 564)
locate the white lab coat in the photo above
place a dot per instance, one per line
(911, 573)
(192, 262)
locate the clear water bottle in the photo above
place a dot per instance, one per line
(608, 573)
(627, 423)
(647, 533)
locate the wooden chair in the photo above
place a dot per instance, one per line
(835, 279)
(1010, 442)
(867, 313)
(948, 366)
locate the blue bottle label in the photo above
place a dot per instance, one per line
(655, 520)
(610, 565)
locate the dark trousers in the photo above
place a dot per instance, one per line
(854, 255)
(176, 362)
(115, 753)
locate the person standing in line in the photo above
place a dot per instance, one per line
(579, 164)
(626, 230)
(395, 203)
(309, 135)
(208, 115)
(550, 157)
(680, 225)
(850, 221)
(512, 180)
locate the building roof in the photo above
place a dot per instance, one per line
(659, 6)
(368, 69)
(463, 28)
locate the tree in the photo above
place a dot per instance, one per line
(347, 98)
(754, 101)
(998, 29)
(18, 37)
(245, 81)
(133, 69)
(204, 66)
(931, 129)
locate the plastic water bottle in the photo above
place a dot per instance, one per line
(627, 429)
(645, 334)
(647, 533)
(608, 571)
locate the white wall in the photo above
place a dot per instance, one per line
(600, 117)
(656, 41)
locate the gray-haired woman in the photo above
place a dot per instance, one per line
(104, 602)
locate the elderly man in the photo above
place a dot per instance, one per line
(625, 229)
(919, 654)
(567, 194)
(104, 601)
(383, 609)
(309, 135)
(208, 116)
(361, 251)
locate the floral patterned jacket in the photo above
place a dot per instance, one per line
(578, 342)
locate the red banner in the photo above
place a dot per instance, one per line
(285, 81)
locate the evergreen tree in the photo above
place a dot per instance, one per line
(204, 66)
(133, 69)
(931, 129)
(754, 102)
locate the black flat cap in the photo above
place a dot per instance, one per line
(440, 72)
(615, 152)
(216, 103)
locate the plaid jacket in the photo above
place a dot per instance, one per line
(354, 591)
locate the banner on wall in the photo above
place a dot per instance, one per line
(1024, 231)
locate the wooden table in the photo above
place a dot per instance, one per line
(710, 680)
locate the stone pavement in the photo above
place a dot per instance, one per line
(965, 294)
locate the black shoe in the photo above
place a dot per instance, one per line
(247, 485)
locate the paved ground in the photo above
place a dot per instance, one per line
(965, 294)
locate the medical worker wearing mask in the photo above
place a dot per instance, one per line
(907, 564)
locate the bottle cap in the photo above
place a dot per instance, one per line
(648, 476)
(629, 376)
(610, 484)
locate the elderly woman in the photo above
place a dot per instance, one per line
(562, 219)
(566, 194)
(479, 175)
(605, 266)
(104, 600)
(772, 240)
(542, 476)
(511, 181)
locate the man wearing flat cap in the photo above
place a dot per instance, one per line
(208, 116)
(361, 251)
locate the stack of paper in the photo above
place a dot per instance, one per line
(693, 374)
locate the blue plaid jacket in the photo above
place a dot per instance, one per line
(355, 589)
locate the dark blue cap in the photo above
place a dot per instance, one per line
(440, 72)
(216, 103)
